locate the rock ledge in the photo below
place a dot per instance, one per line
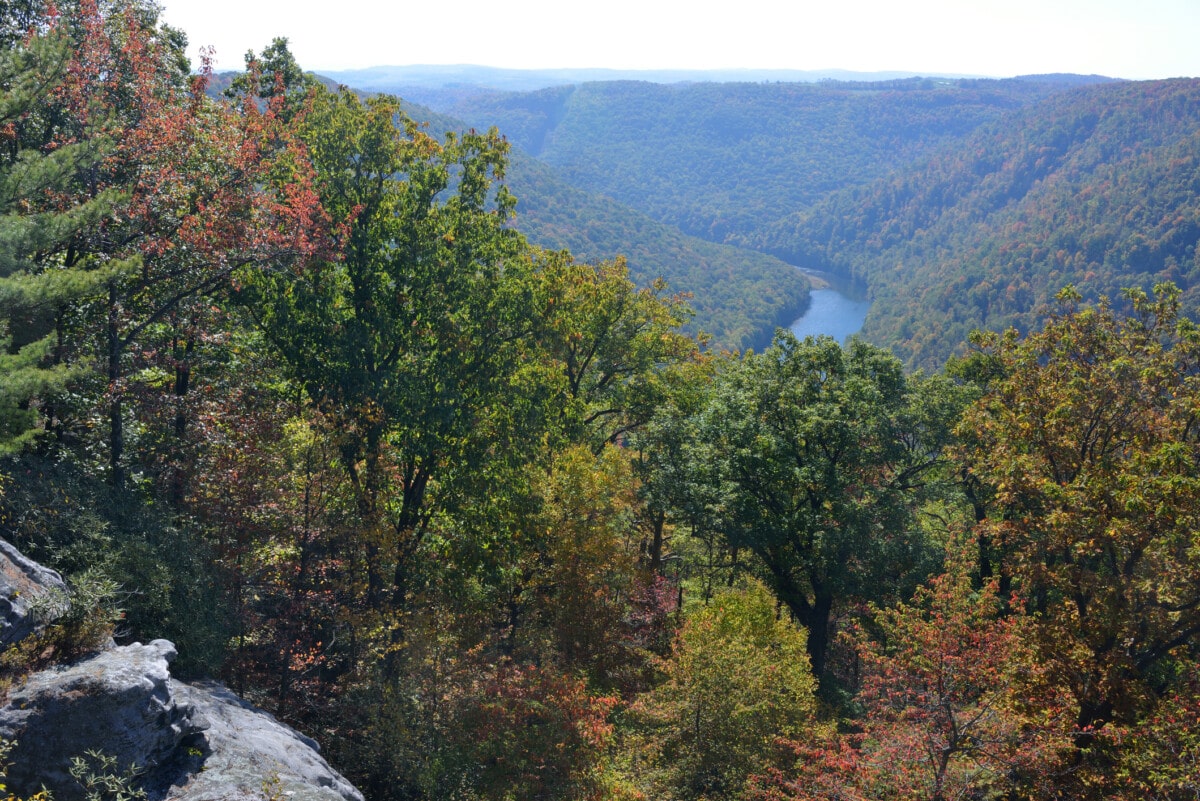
(187, 742)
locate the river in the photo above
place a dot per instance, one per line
(832, 312)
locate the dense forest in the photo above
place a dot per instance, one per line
(979, 199)
(1095, 187)
(723, 160)
(284, 381)
(738, 295)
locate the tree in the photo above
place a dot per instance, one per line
(813, 459)
(411, 340)
(1160, 756)
(618, 346)
(212, 190)
(530, 733)
(273, 74)
(1088, 442)
(34, 169)
(736, 680)
(135, 194)
(951, 708)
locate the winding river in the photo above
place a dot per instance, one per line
(832, 312)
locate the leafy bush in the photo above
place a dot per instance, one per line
(94, 773)
(738, 679)
(77, 623)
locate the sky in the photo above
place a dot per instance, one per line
(1134, 39)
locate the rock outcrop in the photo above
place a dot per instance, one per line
(185, 742)
(247, 749)
(119, 701)
(29, 595)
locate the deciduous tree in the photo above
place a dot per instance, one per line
(736, 680)
(410, 341)
(951, 708)
(1089, 442)
(618, 346)
(813, 458)
(134, 194)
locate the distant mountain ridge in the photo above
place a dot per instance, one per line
(390, 78)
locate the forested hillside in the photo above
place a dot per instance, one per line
(739, 295)
(283, 380)
(961, 204)
(723, 160)
(1097, 187)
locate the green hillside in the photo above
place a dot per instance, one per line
(1098, 187)
(740, 296)
(723, 161)
(962, 203)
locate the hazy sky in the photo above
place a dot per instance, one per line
(1121, 38)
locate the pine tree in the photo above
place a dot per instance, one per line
(39, 266)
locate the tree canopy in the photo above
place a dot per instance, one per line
(488, 520)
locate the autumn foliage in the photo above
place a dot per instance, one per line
(489, 524)
(1060, 688)
(952, 704)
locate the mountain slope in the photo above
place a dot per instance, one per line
(723, 161)
(740, 296)
(1098, 187)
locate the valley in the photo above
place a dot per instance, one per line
(575, 439)
(947, 198)
(953, 193)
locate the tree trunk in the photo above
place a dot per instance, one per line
(116, 431)
(183, 376)
(815, 616)
(818, 638)
(1092, 716)
(655, 551)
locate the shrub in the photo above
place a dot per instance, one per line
(738, 680)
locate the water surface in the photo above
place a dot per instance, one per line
(831, 312)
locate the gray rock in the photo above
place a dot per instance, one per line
(251, 755)
(119, 702)
(188, 742)
(195, 742)
(30, 595)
